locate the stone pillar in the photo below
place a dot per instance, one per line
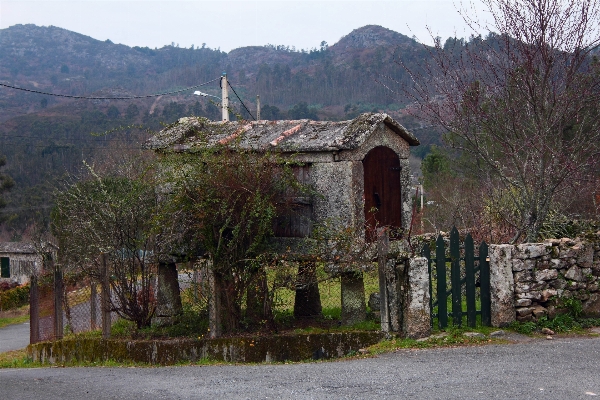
(105, 298)
(502, 285)
(307, 302)
(383, 245)
(214, 303)
(353, 298)
(416, 321)
(168, 296)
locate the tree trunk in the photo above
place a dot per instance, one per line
(228, 310)
(257, 305)
(353, 298)
(168, 296)
(307, 303)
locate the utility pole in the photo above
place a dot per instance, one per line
(257, 107)
(225, 97)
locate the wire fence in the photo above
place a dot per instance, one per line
(289, 297)
(58, 309)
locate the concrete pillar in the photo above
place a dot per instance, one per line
(416, 321)
(502, 285)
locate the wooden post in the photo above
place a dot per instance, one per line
(383, 244)
(440, 271)
(93, 300)
(58, 298)
(105, 299)
(34, 310)
(470, 281)
(455, 277)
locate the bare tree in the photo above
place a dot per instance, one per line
(114, 215)
(521, 103)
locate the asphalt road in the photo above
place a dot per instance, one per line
(565, 368)
(14, 337)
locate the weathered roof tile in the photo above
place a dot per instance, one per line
(285, 135)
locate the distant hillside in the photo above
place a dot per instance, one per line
(46, 137)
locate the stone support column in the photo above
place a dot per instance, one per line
(168, 296)
(416, 315)
(502, 285)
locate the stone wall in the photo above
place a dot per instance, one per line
(546, 274)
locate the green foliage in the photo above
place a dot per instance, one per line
(435, 166)
(6, 183)
(569, 321)
(302, 111)
(573, 306)
(224, 200)
(113, 112)
(14, 298)
(270, 113)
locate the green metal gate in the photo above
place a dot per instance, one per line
(465, 270)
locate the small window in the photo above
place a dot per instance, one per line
(5, 267)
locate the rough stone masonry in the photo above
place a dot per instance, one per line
(539, 278)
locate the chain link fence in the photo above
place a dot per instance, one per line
(59, 308)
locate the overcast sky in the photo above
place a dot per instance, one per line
(232, 24)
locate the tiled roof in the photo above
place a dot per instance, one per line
(17, 247)
(285, 135)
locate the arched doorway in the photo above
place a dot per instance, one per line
(383, 202)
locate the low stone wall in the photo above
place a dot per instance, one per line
(545, 274)
(167, 352)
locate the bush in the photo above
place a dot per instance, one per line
(14, 298)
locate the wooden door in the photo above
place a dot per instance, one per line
(295, 220)
(383, 203)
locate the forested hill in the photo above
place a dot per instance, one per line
(46, 137)
(56, 60)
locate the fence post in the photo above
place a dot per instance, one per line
(93, 300)
(455, 277)
(440, 271)
(58, 298)
(383, 244)
(106, 322)
(34, 310)
(470, 281)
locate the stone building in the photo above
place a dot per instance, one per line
(17, 261)
(358, 167)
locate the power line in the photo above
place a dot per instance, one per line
(108, 98)
(236, 95)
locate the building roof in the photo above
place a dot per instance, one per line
(17, 247)
(286, 135)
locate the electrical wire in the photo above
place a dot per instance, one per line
(236, 95)
(108, 98)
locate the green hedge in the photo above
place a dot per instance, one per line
(14, 298)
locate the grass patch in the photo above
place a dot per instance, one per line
(16, 359)
(13, 320)
(453, 336)
(564, 323)
(15, 316)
